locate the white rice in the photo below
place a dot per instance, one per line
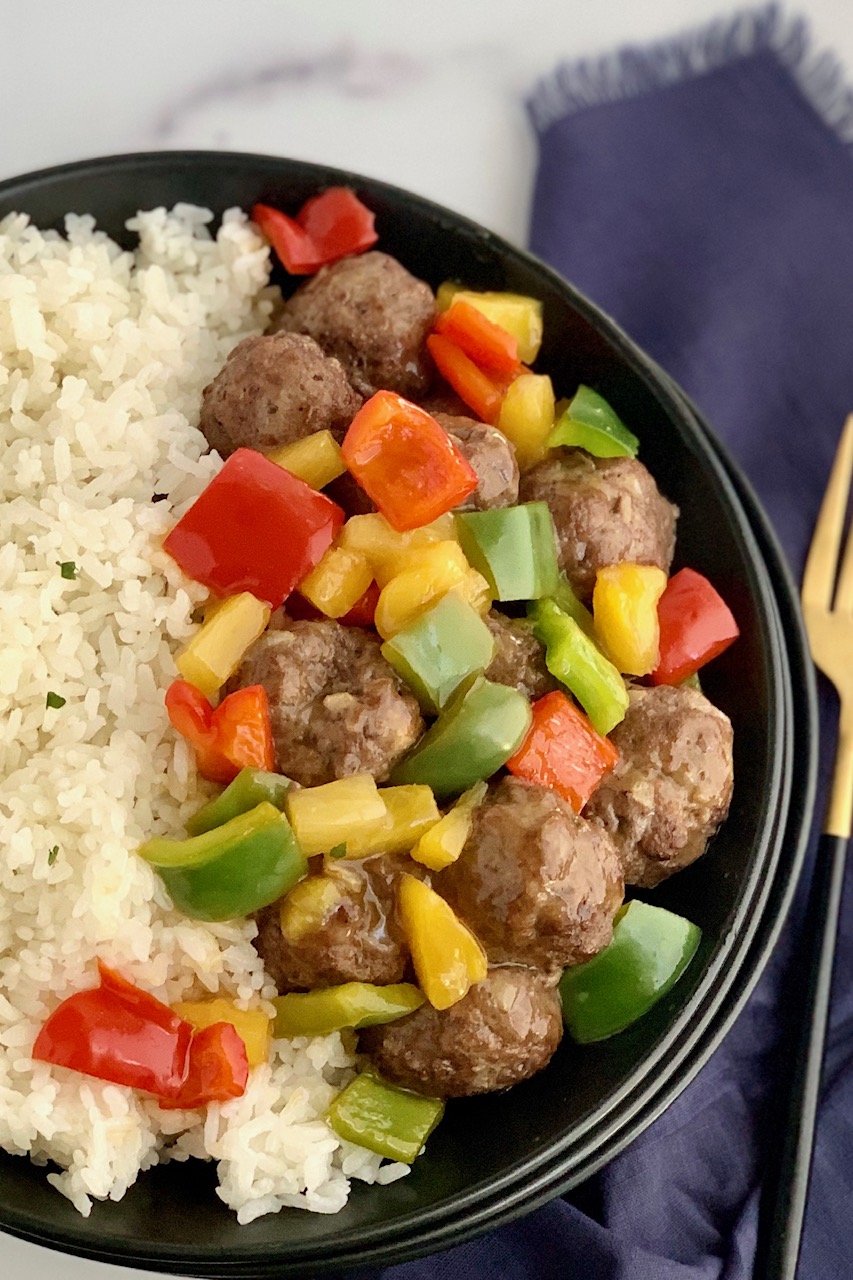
(103, 356)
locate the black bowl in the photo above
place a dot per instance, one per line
(498, 1156)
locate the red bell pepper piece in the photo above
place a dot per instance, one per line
(405, 462)
(480, 391)
(327, 227)
(236, 735)
(563, 751)
(696, 625)
(338, 223)
(363, 612)
(485, 342)
(291, 243)
(256, 527)
(217, 1070)
(119, 1033)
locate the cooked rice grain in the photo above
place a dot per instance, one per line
(103, 356)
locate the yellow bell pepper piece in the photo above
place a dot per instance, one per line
(444, 842)
(315, 459)
(625, 610)
(447, 957)
(335, 813)
(519, 315)
(216, 649)
(253, 1026)
(384, 548)
(527, 416)
(430, 572)
(335, 584)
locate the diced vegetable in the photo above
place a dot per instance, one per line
(625, 608)
(316, 459)
(338, 223)
(353, 1004)
(519, 315)
(431, 572)
(590, 423)
(486, 343)
(444, 842)
(481, 391)
(387, 550)
(253, 1026)
(527, 416)
(338, 582)
(696, 625)
(405, 461)
(436, 652)
(393, 1122)
(478, 730)
(249, 789)
(232, 870)
(328, 227)
(215, 651)
(217, 1070)
(325, 816)
(649, 952)
(234, 736)
(574, 659)
(565, 599)
(118, 1032)
(256, 527)
(514, 548)
(447, 957)
(563, 751)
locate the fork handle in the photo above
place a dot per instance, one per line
(784, 1211)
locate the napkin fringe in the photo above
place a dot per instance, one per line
(630, 72)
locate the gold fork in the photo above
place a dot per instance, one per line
(828, 613)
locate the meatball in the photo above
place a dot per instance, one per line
(605, 510)
(336, 706)
(275, 389)
(537, 884)
(519, 659)
(504, 1030)
(357, 940)
(672, 786)
(374, 316)
(491, 455)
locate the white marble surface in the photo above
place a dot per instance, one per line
(427, 94)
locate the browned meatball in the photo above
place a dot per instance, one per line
(275, 389)
(374, 316)
(672, 786)
(536, 883)
(504, 1030)
(492, 457)
(606, 510)
(336, 706)
(443, 399)
(519, 659)
(358, 939)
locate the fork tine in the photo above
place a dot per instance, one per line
(844, 594)
(819, 577)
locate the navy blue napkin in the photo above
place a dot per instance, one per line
(701, 192)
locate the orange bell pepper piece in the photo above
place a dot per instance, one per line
(485, 342)
(563, 751)
(236, 735)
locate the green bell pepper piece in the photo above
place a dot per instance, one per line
(649, 951)
(566, 599)
(590, 423)
(391, 1121)
(439, 650)
(249, 788)
(234, 869)
(477, 732)
(575, 660)
(514, 548)
(353, 1004)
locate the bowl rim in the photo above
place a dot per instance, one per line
(755, 927)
